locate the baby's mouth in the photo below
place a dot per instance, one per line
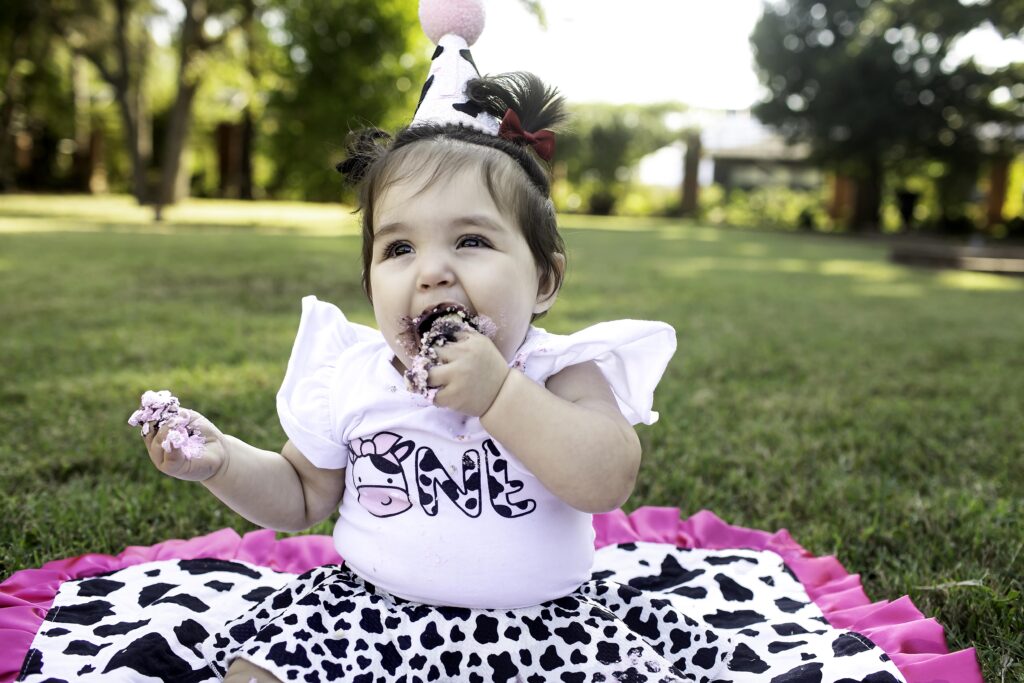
(437, 323)
(434, 327)
(456, 314)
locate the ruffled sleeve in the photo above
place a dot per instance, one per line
(304, 403)
(632, 354)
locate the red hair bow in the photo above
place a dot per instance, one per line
(543, 141)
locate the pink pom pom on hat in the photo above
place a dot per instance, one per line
(464, 18)
(453, 25)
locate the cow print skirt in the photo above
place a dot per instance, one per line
(651, 612)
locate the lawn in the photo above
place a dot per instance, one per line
(873, 410)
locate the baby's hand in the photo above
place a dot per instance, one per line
(469, 374)
(174, 462)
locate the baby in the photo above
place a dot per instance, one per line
(465, 502)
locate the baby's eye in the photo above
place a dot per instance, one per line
(397, 249)
(472, 241)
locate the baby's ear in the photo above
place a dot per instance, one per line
(548, 292)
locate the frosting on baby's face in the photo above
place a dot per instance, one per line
(448, 244)
(426, 333)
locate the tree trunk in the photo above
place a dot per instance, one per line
(248, 129)
(998, 177)
(228, 158)
(131, 100)
(97, 162)
(691, 167)
(82, 156)
(867, 201)
(245, 191)
(28, 46)
(172, 186)
(174, 144)
(8, 133)
(137, 151)
(840, 208)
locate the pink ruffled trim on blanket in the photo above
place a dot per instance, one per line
(917, 645)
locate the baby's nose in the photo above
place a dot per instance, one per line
(435, 272)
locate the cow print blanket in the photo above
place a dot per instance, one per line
(703, 615)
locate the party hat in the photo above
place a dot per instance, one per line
(452, 25)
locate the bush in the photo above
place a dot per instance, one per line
(773, 207)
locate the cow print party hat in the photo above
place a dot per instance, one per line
(453, 25)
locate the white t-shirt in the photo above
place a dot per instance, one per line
(434, 509)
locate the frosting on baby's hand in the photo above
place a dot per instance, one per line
(161, 408)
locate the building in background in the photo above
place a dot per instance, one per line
(738, 152)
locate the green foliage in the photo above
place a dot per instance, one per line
(864, 406)
(872, 83)
(34, 74)
(305, 71)
(535, 8)
(348, 64)
(603, 145)
(646, 200)
(772, 207)
(874, 78)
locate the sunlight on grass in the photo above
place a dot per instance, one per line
(59, 213)
(118, 208)
(981, 282)
(686, 232)
(187, 382)
(22, 225)
(611, 223)
(793, 265)
(891, 290)
(751, 249)
(39, 225)
(308, 216)
(872, 271)
(692, 267)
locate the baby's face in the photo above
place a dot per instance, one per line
(449, 243)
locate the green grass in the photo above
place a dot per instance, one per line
(873, 410)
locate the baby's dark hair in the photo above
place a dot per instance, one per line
(517, 179)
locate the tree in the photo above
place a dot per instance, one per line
(28, 79)
(348, 64)
(291, 76)
(195, 48)
(114, 38)
(872, 86)
(603, 145)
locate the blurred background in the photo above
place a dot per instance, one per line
(894, 116)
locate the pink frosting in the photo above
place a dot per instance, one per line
(916, 645)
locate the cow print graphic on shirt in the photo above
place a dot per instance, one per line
(455, 479)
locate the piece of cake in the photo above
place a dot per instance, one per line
(432, 329)
(161, 407)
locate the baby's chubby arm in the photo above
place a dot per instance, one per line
(570, 433)
(282, 491)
